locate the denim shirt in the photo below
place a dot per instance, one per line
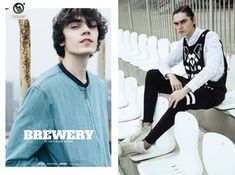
(57, 101)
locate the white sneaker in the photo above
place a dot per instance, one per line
(139, 135)
(131, 147)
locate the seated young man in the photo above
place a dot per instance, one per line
(206, 67)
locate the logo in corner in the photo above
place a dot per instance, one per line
(18, 8)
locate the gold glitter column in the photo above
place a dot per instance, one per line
(101, 60)
(24, 57)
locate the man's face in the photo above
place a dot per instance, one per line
(183, 24)
(80, 37)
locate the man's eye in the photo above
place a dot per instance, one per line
(176, 23)
(184, 21)
(92, 24)
(75, 26)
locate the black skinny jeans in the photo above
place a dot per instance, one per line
(155, 83)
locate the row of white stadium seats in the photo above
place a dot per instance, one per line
(185, 132)
(145, 52)
(218, 152)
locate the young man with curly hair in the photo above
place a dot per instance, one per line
(63, 119)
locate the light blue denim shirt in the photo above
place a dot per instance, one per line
(58, 101)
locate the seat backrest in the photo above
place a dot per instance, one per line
(231, 72)
(152, 47)
(186, 131)
(230, 94)
(163, 48)
(160, 108)
(126, 41)
(134, 43)
(142, 43)
(120, 39)
(131, 89)
(218, 154)
(121, 76)
(140, 99)
(121, 90)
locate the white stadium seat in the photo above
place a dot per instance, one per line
(218, 154)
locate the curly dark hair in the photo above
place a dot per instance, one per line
(67, 15)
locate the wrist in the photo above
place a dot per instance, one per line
(170, 75)
(186, 89)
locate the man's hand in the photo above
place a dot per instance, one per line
(178, 95)
(175, 83)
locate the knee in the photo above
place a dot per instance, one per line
(152, 75)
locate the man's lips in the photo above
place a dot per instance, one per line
(86, 40)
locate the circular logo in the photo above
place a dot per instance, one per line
(18, 8)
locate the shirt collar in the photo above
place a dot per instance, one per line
(196, 34)
(72, 77)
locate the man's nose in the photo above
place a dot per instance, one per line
(180, 26)
(85, 29)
